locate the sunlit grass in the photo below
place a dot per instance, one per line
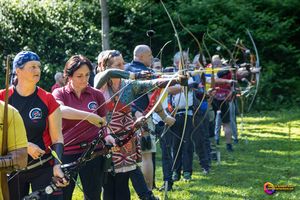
(268, 151)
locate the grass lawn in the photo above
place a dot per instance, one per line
(268, 151)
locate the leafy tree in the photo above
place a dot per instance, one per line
(58, 29)
(55, 30)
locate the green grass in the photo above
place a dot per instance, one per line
(268, 151)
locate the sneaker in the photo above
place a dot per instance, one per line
(235, 141)
(151, 197)
(213, 155)
(175, 176)
(205, 171)
(187, 176)
(162, 188)
(229, 147)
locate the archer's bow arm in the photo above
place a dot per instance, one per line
(102, 78)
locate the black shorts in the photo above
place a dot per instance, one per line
(222, 105)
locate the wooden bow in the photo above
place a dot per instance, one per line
(4, 185)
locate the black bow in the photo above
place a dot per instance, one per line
(71, 169)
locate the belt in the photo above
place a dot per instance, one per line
(183, 110)
(40, 163)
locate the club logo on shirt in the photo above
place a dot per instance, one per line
(92, 105)
(35, 113)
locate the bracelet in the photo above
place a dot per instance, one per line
(6, 162)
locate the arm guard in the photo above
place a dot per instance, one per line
(59, 149)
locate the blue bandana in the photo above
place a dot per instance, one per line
(24, 57)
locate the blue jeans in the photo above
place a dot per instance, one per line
(233, 124)
(184, 159)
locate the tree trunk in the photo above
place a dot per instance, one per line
(104, 25)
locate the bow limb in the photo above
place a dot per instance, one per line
(224, 46)
(234, 68)
(161, 96)
(176, 35)
(161, 50)
(257, 65)
(182, 72)
(4, 185)
(201, 63)
(235, 49)
(197, 41)
(205, 47)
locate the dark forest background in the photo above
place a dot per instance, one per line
(57, 29)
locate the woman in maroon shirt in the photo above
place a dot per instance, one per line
(83, 112)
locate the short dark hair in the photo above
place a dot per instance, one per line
(74, 63)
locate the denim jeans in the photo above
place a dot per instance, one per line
(184, 159)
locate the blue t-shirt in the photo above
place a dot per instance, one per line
(136, 67)
(204, 104)
(142, 102)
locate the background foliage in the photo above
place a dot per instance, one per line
(57, 29)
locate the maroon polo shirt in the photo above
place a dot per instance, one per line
(77, 132)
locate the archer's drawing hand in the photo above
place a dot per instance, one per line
(96, 120)
(35, 151)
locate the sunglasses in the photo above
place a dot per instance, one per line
(111, 54)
